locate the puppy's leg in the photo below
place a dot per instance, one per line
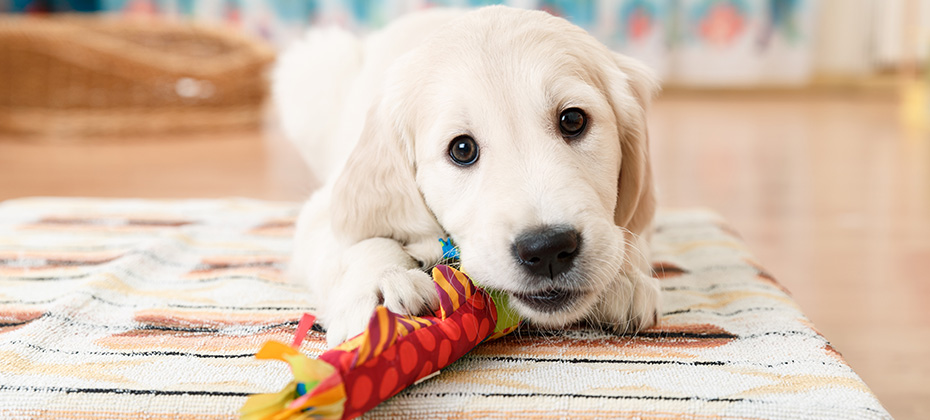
(647, 299)
(635, 304)
(427, 252)
(377, 271)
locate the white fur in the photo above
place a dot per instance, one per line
(381, 112)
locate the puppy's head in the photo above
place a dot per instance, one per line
(522, 137)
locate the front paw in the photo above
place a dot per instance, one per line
(348, 316)
(378, 271)
(402, 291)
(634, 308)
(647, 300)
(408, 292)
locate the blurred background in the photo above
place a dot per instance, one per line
(722, 43)
(805, 123)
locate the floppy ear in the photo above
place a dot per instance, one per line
(633, 85)
(376, 195)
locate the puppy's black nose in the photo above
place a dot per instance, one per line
(547, 251)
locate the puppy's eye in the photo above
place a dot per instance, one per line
(572, 122)
(463, 150)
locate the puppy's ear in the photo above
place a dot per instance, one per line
(376, 195)
(632, 88)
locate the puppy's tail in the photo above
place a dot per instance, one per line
(311, 81)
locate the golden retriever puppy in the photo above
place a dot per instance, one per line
(513, 132)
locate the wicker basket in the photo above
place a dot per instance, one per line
(101, 76)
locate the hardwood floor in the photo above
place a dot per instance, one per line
(833, 197)
(249, 164)
(830, 192)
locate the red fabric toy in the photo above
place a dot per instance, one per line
(393, 353)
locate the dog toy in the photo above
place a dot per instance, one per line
(449, 250)
(393, 353)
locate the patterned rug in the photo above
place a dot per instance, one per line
(153, 309)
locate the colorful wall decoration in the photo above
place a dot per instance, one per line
(691, 42)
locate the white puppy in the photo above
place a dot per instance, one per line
(512, 131)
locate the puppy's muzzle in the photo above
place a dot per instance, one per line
(547, 251)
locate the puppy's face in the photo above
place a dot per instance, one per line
(526, 141)
(517, 155)
(521, 170)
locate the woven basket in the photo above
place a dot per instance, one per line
(101, 76)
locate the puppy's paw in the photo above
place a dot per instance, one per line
(408, 292)
(402, 291)
(634, 308)
(377, 271)
(427, 253)
(647, 299)
(350, 316)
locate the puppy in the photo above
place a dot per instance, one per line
(513, 132)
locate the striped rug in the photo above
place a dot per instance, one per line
(153, 309)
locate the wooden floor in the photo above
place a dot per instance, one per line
(829, 191)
